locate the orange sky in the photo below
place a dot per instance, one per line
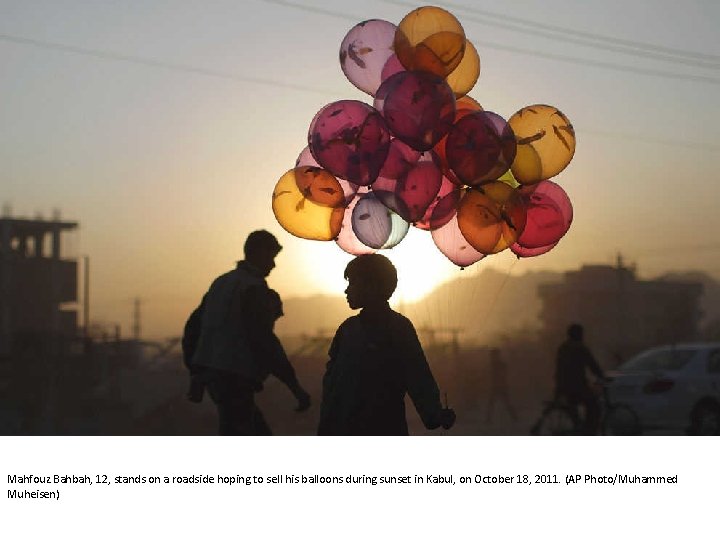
(163, 127)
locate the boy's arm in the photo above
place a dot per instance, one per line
(421, 385)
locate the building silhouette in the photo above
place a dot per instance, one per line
(622, 314)
(35, 282)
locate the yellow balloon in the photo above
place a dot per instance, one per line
(545, 143)
(464, 77)
(308, 202)
(430, 39)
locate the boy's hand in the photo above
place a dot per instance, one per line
(447, 418)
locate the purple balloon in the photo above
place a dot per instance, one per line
(350, 139)
(480, 148)
(451, 243)
(375, 225)
(347, 240)
(549, 214)
(365, 51)
(306, 159)
(408, 182)
(419, 107)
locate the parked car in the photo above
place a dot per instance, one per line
(673, 387)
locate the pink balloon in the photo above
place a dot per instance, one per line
(349, 139)
(451, 243)
(447, 209)
(306, 159)
(419, 108)
(480, 148)
(365, 51)
(391, 67)
(408, 182)
(549, 214)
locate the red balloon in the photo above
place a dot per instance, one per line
(480, 148)
(463, 106)
(419, 108)
(549, 214)
(350, 139)
(523, 252)
(306, 159)
(443, 208)
(408, 182)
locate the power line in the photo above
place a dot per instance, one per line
(151, 62)
(499, 46)
(564, 31)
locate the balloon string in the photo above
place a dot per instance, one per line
(500, 289)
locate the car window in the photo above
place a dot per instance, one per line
(666, 360)
(714, 361)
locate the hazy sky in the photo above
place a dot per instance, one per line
(163, 126)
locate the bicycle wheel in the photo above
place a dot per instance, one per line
(556, 420)
(621, 420)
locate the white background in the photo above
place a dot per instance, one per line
(687, 509)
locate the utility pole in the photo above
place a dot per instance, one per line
(136, 328)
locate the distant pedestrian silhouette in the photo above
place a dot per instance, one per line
(498, 385)
(375, 360)
(235, 348)
(571, 385)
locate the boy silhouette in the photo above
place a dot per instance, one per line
(375, 359)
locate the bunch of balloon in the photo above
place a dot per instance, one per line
(426, 154)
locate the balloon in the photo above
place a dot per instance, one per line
(392, 66)
(443, 208)
(349, 139)
(375, 225)
(463, 106)
(306, 158)
(520, 251)
(492, 217)
(549, 214)
(308, 202)
(546, 143)
(419, 108)
(451, 243)
(464, 77)
(480, 148)
(408, 182)
(364, 52)
(507, 178)
(430, 39)
(347, 240)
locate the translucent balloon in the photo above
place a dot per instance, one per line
(409, 181)
(430, 39)
(464, 77)
(549, 214)
(451, 243)
(392, 66)
(492, 217)
(365, 51)
(463, 106)
(419, 108)
(375, 225)
(523, 252)
(347, 240)
(308, 202)
(507, 178)
(306, 158)
(349, 139)
(480, 148)
(546, 143)
(443, 208)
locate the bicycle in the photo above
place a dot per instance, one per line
(561, 418)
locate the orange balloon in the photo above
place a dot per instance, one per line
(464, 77)
(430, 39)
(545, 143)
(491, 218)
(309, 203)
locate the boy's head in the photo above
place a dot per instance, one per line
(371, 280)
